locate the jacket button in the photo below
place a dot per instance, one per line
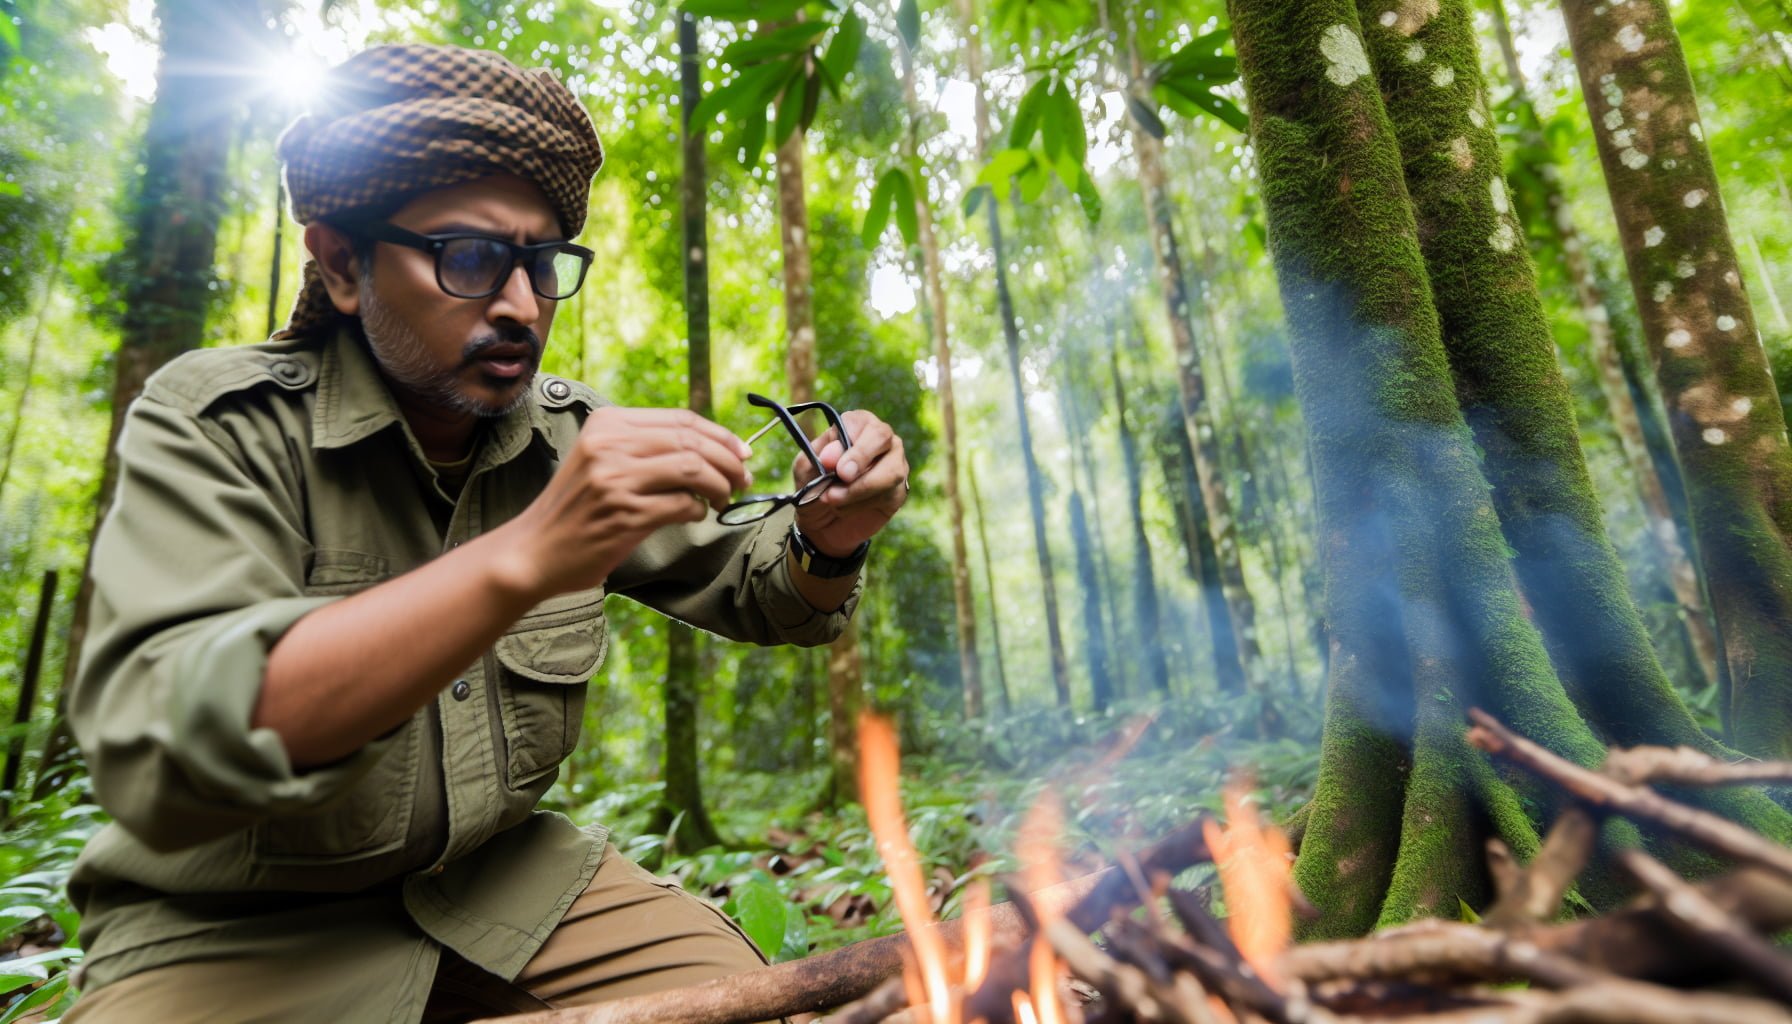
(557, 389)
(461, 689)
(438, 869)
(289, 371)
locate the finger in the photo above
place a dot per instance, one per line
(867, 447)
(684, 419)
(660, 509)
(650, 442)
(880, 485)
(679, 473)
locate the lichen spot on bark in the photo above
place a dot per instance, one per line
(1695, 197)
(1460, 154)
(1697, 131)
(1388, 18)
(1476, 118)
(1731, 279)
(1497, 188)
(1742, 406)
(1653, 236)
(1633, 159)
(1715, 435)
(1685, 268)
(1726, 322)
(1415, 52)
(1443, 75)
(1345, 60)
(1679, 337)
(1503, 237)
(1415, 14)
(1662, 290)
(1630, 38)
(1614, 119)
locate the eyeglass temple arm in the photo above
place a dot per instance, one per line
(790, 424)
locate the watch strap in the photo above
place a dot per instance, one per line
(824, 566)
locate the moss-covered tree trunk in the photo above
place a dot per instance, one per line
(1421, 598)
(1626, 420)
(683, 800)
(1724, 413)
(932, 283)
(1095, 638)
(973, 50)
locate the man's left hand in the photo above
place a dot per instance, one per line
(872, 485)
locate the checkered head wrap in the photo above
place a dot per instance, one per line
(393, 121)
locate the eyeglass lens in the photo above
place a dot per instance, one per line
(477, 266)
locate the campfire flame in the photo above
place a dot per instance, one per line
(1037, 845)
(976, 933)
(1254, 864)
(879, 774)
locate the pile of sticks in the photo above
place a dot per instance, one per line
(1682, 952)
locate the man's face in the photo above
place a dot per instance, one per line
(460, 356)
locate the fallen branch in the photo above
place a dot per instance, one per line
(1684, 766)
(839, 977)
(1611, 796)
(1435, 950)
(1535, 892)
(1702, 920)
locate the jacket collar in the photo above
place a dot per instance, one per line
(354, 403)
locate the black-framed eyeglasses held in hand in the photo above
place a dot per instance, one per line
(755, 507)
(470, 265)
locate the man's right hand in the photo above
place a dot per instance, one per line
(631, 472)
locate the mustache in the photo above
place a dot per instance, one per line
(503, 337)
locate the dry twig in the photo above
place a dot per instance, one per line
(1703, 921)
(1684, 766)
(1609, 796)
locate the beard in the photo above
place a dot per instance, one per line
(407, 363)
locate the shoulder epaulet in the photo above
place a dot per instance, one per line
(560, 393)
(195, 380)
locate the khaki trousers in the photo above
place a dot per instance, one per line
(629, 933)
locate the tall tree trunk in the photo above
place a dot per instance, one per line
(1197, 417)
(51, 278)
(1095, 581)
(1595, 312)
(1421, 599)
(844, 663)
(1011, 338)
(1145, 612)
(1005, 703)
(1095, 641)
(14, 754)
(683, 800)
(1203, 563)
(166, 273)
(964, 612)
(1727, 424)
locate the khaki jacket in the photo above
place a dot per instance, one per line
(255, 485)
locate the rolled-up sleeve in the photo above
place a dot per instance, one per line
(198, 571)
(730, 580)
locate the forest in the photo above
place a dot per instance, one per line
(1281, 380)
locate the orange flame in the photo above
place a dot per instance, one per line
(976, 933)
(1253, 861)
(879, 772)
(1037, 844)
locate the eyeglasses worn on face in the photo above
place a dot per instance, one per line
(756, 507)
(475, 266)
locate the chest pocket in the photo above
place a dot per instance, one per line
(545, 664)
(374, 816)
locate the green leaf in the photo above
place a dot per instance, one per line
(11, 918)
(790, 112)
(1466, 913)
(754, 86)
(752, 137)
(877, 212)
(796, 934)
(9, 33)
(1201, 56)
(1033, 182)
(1190, 99)
(760, 910)
(908, 22)
(10, 188)
(785, 42)
(843, 49)
(742, 10)
(1061, 124)
(1004, 165)
(1146, 117)
(973, 199)
(50, 992)
(907, 218)
(1026, 114)
(1088, 195)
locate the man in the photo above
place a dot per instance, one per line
(351, 592)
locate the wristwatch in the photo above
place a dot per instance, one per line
(822, 566)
